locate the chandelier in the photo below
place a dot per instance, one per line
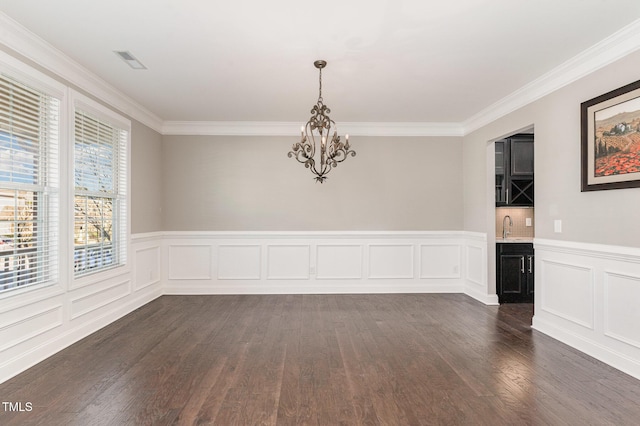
(319, 129)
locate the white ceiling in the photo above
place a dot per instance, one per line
(388, 60)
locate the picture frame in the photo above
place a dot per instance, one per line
(610, 140)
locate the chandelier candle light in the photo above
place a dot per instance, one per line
(319, 127)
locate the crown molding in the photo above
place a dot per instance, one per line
(402, 129)
(601, 54)
(230, 128)
(24, 42)
(268, 128)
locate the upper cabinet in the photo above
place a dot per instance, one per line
(514, 171)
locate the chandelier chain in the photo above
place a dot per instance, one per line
(320, 87)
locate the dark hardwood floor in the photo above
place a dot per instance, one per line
(322, 359)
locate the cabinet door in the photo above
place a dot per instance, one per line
(512, 278)
(521, 156)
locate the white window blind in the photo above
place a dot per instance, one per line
(29, 124)
(100, 175)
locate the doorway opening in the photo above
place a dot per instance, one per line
(515, 222)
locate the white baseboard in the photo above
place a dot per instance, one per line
(313, 287)
(487, 299)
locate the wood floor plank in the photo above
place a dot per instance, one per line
(415, 359)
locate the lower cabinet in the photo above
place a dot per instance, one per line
(514, 272)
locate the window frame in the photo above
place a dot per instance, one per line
(38, 81)
(78, 101)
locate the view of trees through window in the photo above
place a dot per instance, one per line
(93, 232)
(96, 161)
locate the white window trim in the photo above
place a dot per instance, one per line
(80, 101)
(26, 74)
(69, 100)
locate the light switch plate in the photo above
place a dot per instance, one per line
(557, 226)
(527, 221)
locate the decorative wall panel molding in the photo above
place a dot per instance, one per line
(189, 262)
(391, 261)
(587, 296)
(339, 261)
(475, 267)
(440, 261)
(239, 262)
(621, 310)
(104, 296)
(28, 325)
(288, 261)
(146, 266)
(474, 270)
(568, 291)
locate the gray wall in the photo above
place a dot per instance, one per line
(146, 179)
(248, 183)
(605, 217)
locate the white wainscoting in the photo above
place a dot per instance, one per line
(475, 271)
(325, 262)
(39, 322)
(588, 296)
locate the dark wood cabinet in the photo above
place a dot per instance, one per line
(514, 171)
(514, 272)
(521, 155)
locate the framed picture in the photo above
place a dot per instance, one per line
(611, 140)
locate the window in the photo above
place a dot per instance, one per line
(29, 123)
(100, 176)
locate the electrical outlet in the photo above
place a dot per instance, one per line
(527, 221)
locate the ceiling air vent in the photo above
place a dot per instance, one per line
(130, 59)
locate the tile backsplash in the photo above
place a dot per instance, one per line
(518, 216)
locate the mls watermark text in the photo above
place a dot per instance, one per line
(16, 407)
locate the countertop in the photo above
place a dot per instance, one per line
(514, 240)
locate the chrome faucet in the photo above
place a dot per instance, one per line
(504, 227)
